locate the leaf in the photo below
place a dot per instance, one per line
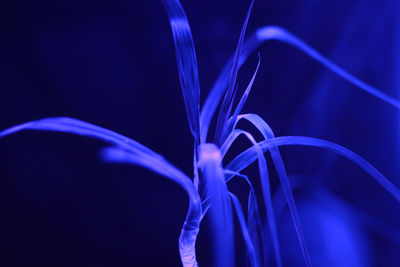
(128, 150)
(250, 45)
(242, 160)
(254, 261)
(280, 34)
(142, 155)
(250, 155)
(187, 63)
(232, 121)
(267, 132)
(220, 85)
(265, 186)
(254, 224)
(224, 111)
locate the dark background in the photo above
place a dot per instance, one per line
(112, 63)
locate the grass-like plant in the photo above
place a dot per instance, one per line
(207, 190)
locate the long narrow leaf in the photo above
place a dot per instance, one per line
(278, 33)
(219, 87)
(251, 44)
(232, 121)
(187, 63)
(190, 228)
(258, 122)
(254, 261)
(250, 155)
(265, 186)
(131, 151)
(143, 155)
(267, 132)
(285, 182)
(223, 114)
(254, 224)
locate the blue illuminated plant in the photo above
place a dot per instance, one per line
(208, 191)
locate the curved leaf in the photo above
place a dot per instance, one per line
(250, 155)
(254, 225)
(142, 155)
(187, 62)
(267, 132)
(265, 186)
(254, 261)
(128, 150)
(228, 99)
(250, 45)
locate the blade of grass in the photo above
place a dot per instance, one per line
(265, 186)
(254, 261)
(187, 63)
(258, 122)
(267, 132)
(254, 224)
(133, 152)
(285, 181)
(220, 85)
(143, 155)
(232, 121)
(280, 34)
(250, 155)
(250, 45)
(223, 114)
(190, 228)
